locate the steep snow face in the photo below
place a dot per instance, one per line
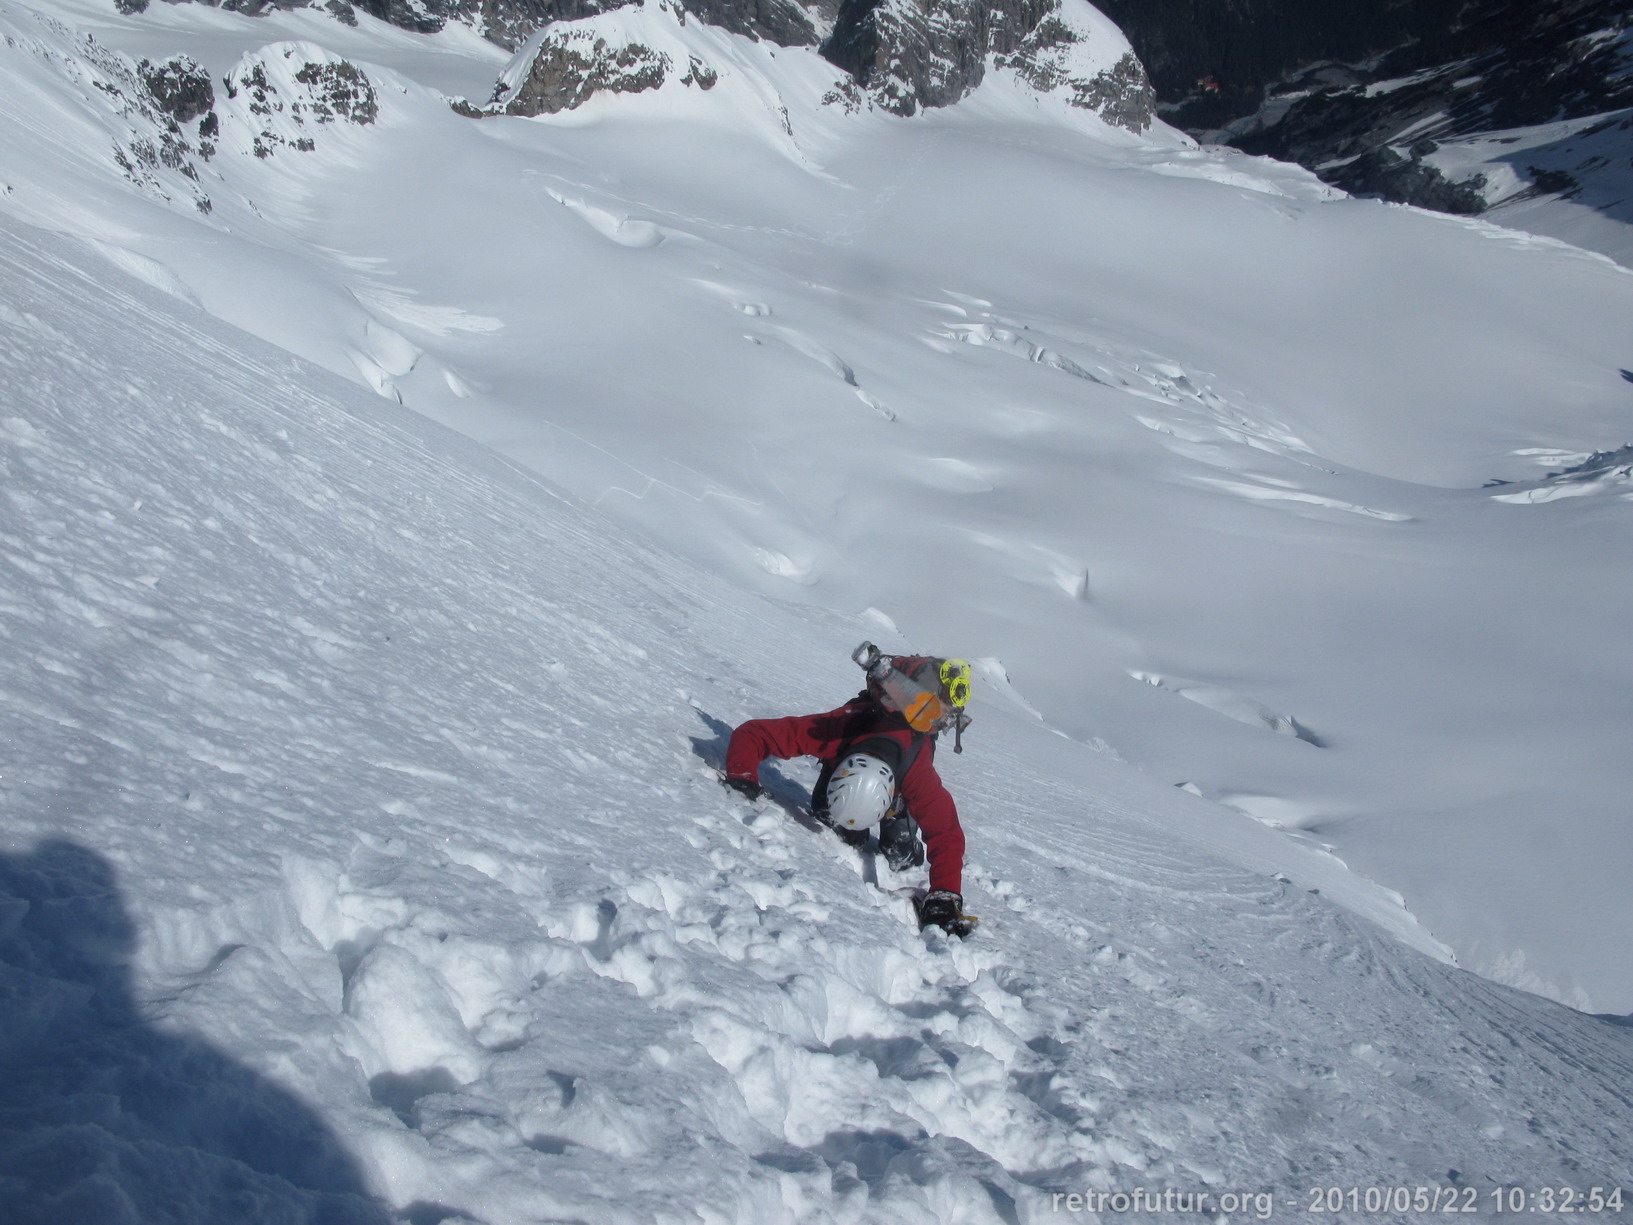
(363, 858)
(1192, 446)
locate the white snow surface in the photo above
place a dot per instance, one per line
(369, 773)
(376, 774)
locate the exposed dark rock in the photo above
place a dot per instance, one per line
(1603, 470)
(1532, 67)
(329, 92)
(151, 146)
(1602, 463)
(511, 22)
(339, 91)
(909, 54)
(1545, 182)
(1409, 180)
(903, 54)
(1122, 95)
(255, 8)
(1211, 60)
(700, 74)
(1031, 57)
(1362, 101)
(179, 87)
(783, 22)
(421, 18)
(508, 23)
(573, 65)
(342, 9)
(847, 95)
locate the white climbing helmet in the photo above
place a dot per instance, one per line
(861, 792)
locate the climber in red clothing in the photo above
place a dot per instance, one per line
(878, 767)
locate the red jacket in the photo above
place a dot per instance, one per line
(822, 736)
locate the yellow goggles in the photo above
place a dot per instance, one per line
(955, 681)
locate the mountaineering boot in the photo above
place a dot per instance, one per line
(857, 838)
(899, 843)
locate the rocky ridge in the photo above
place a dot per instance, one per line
(895, 55)
(1376, 126)
(510, 23)
(899, 55)
(910, 55)
(572, 65)
(166, 122)
(1456, 105)
(1415, 103)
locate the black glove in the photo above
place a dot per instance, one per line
(944, 909)
(745, 787)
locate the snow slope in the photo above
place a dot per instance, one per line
(357, 792)
(1194, 447)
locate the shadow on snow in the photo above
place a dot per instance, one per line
(105, 1119)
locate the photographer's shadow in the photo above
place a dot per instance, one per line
(105, 1119)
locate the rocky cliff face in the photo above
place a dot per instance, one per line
(167, 122)
(1376, 103)
(1377, 126)
(909, 54)
(1210, 62)
(901, 55)
(787, 23)
(1120, 93)
(914, 53)
(510, 23)
(571, 66)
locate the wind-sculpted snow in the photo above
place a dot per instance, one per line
(388, 770)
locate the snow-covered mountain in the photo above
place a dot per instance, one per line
(363, 765)
(1516, 110)
(900, 56)
(1516, 107)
